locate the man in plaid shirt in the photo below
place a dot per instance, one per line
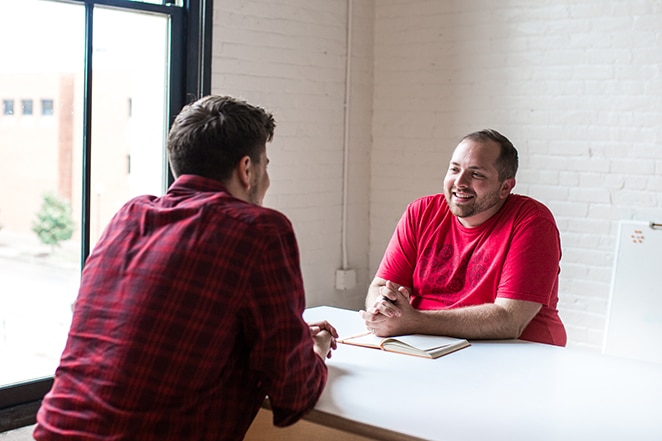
(190, 307)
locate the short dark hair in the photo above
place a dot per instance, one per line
(211, 135)
(508, 161)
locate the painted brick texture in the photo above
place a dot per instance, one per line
(290, 57)
(576, 85)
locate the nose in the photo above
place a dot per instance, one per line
(462, 179)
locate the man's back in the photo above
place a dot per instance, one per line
(192, 303)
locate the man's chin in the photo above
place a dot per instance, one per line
(460, 211)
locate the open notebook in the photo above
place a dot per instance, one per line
(428, 346)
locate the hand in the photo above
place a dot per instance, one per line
(324, 336)
(317, 327)
(390, 300)
(390, 311)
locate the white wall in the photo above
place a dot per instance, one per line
(290, 57)
(576, 85)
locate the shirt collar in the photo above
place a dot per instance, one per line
(196, 183)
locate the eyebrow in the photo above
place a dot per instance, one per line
(473, 167)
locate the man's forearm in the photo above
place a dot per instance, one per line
(487, 321)
(504, 319)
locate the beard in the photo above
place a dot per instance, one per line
(474, 206)
(254, 195)
(256, 192)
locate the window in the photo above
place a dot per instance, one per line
(7, 107)
(47, 107)
(26, 107)
(74, 168)
(163, 2)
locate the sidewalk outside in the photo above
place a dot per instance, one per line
(37, 288)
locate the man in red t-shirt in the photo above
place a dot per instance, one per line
(476, 262)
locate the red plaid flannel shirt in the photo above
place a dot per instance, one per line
(189, 313)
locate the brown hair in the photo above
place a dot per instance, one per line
(211, 135)
(508, 161)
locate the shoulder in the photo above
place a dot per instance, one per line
(425, 210)
(525, 207)
(251, 229)
(211, 197)
(525, 214)
(264, 220)
(433, 202)
(428, 209)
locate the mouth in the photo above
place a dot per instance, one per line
(461, 197)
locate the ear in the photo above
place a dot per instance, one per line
(506, 187)
(244, 170)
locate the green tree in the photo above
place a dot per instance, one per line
(54, 222)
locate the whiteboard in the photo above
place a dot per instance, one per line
(634, 318)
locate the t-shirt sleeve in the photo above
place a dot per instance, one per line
(399, 260)
(531, 268)
(282, 348)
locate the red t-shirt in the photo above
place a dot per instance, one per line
(515, 254)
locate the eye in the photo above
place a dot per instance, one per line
(478, 175)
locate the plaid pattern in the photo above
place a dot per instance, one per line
(189, 313)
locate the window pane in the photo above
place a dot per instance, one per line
(129, 115)
(40, 218)
(7, 107)
(47, 107)
(39, 236)
(26, 105)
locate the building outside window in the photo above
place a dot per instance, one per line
(73, 169)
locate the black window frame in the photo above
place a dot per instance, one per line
(190, 78)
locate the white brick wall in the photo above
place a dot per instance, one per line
(289, 56)
(576, 85)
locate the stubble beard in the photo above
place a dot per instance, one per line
(253, 196)
(476, 206)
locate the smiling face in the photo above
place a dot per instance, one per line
(472, 187)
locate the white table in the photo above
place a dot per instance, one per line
(492, 390)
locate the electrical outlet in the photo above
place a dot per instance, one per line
(345, 279)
